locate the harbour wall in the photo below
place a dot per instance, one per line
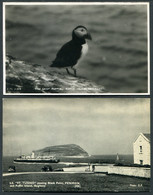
(110, 169)
(121, 170)
(75, 169)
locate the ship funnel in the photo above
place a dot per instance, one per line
(33, 155)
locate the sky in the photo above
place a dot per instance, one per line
(99, 125)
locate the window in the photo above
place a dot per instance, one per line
(141, 162)
(140, 149)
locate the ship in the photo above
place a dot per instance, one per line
(37, 159)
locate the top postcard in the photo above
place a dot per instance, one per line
(76, 48)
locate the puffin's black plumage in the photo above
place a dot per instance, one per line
(71, 52)
(68, 55)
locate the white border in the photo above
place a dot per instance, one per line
(75, 3)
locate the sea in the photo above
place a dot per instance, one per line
(64, 162)
(117, 57)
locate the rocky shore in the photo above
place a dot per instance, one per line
(24, 77)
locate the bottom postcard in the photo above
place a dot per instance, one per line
(76, 145)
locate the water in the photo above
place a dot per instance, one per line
(117, 56)
(32, 167)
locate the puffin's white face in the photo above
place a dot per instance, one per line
(82, 33)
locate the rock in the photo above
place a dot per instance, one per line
(62, 150)
(23, 77)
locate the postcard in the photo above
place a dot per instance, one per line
(76, 145)
(77, 48)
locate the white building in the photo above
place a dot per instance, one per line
(141, 149)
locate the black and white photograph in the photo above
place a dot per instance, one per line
(76, 48)
(76, 145)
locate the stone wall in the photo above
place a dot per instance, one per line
(129, 171)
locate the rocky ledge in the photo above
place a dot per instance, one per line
(23, 77)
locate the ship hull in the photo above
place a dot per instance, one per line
(36, 161)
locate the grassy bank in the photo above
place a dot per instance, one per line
(75, 182)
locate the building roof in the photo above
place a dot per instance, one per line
(147, 135)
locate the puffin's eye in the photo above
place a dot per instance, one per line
(82, 30)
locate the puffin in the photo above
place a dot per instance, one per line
(73, 51)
